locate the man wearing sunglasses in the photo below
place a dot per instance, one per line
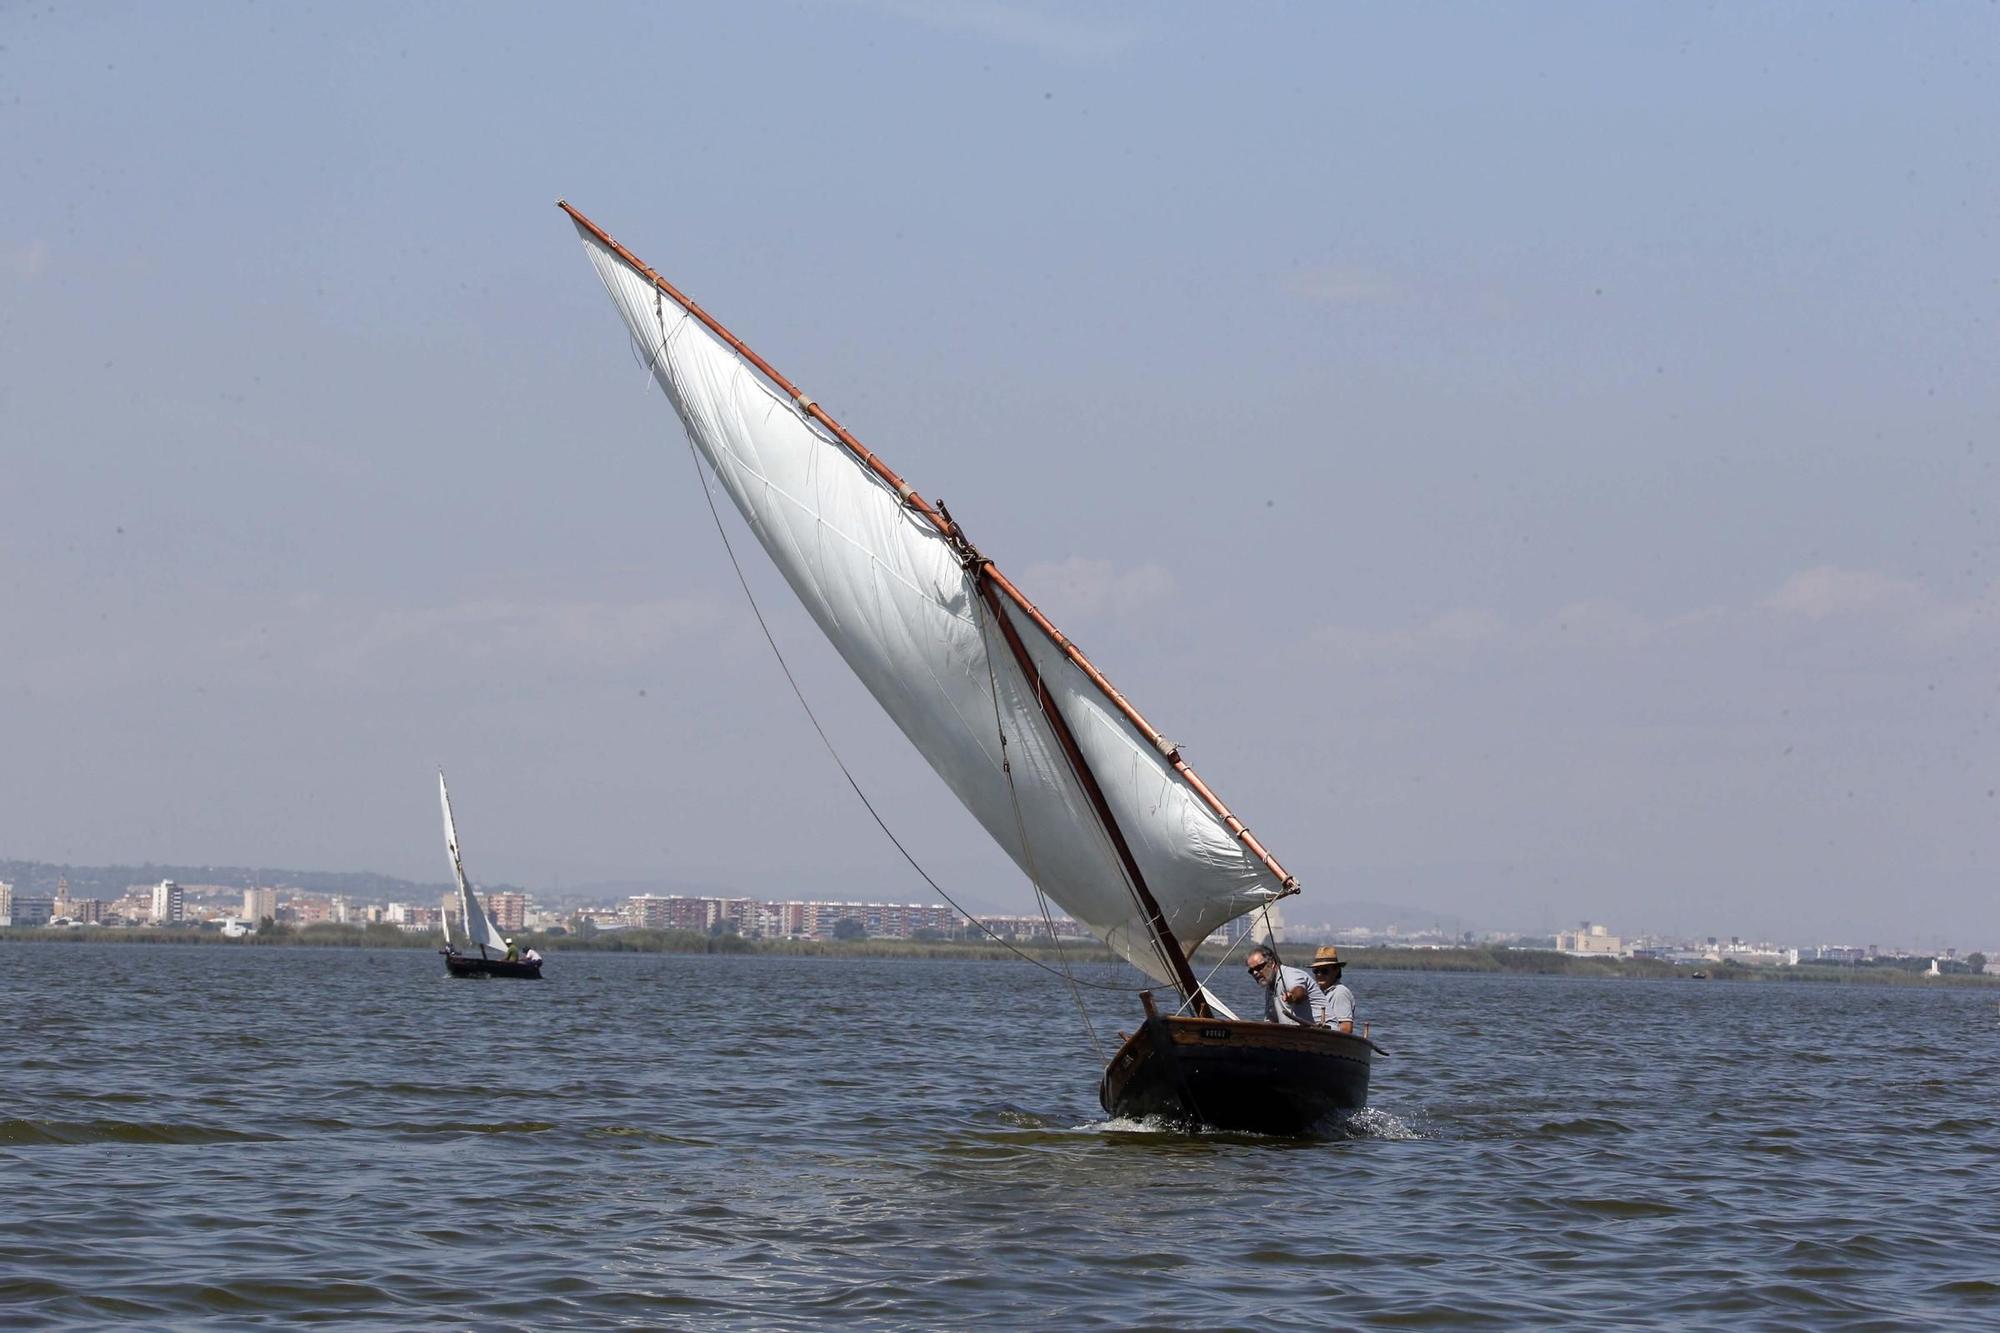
(1290, 995)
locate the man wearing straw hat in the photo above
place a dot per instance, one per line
(1339, 1013)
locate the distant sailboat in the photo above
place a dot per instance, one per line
(480, 932)
(1097, 807)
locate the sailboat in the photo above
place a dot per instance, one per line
(1090, 800)
(480, 932)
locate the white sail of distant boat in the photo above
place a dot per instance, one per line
(479, 927)
(1092, 803)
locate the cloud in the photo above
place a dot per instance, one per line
(1826, 591)
(1891, 608)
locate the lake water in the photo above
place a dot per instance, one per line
(240, 1136)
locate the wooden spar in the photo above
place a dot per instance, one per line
(952, 533)
(1156, 921)
(1289, 883)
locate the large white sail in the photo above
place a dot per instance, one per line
(890, 593)
(479, 927)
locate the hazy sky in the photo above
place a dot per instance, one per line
(1539, 460)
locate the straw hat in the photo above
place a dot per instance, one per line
(1328, 956)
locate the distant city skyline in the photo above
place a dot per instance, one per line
(512, 905)
(1541, 465)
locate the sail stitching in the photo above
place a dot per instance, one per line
(1027, 848)
(795, 502)
(761, 382)
(1149, 915)
(879, 570)
(1157, 928)
(1117, 728)
(877, 567)
(749, 468)
(969, 558)
(841, 764)
(598, 240)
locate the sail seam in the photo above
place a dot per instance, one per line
(794, 502)
(784, 666)
(1164, 945)
(1110, 728)
(1027, 850)
(768, 378)
(747, 467)
(747, 470)
(744, 430)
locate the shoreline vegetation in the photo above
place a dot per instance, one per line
(1488, 960)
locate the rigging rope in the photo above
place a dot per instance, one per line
(651, 362)
(1220, 961)
(1270, 933)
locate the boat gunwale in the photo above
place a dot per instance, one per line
(1182, 1029)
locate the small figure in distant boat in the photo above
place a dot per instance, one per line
(513, 954)
(531, 956)
(1339, 1000)
(1290, 996)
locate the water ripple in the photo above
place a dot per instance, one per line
(305, 1139)
(14, 1132)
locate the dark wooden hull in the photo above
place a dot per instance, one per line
(1234, 1074)
(466, 965)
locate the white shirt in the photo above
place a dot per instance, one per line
(1339, 1006)
(1306, 1012)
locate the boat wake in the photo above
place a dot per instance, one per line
(1372, 1122)
(1368, 1123)
(1121, 1124)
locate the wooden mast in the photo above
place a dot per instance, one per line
(1156, 921)
(989, 578)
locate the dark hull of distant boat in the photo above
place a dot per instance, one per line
(1232, 1074)
(465, 965)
